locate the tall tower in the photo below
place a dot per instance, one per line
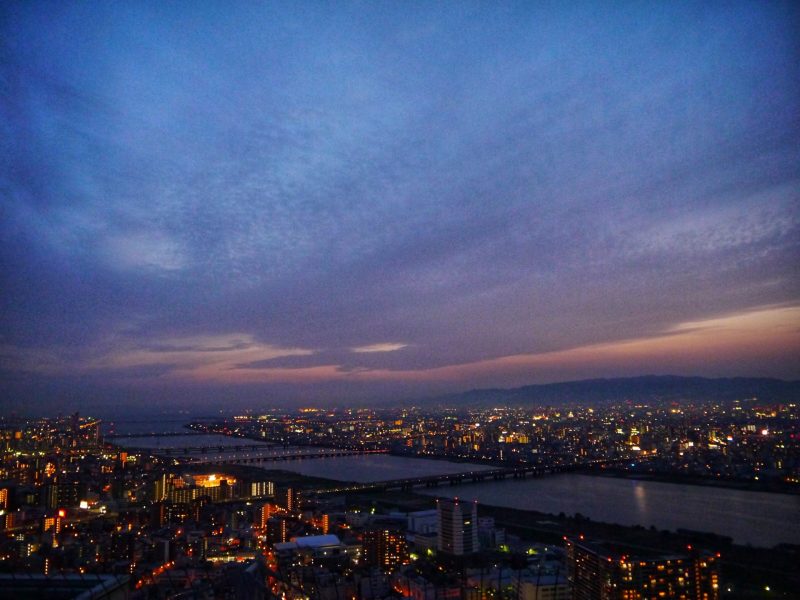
(458, 526)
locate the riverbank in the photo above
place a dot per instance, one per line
(773, 487)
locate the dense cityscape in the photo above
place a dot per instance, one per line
(218, 512)
(739, 440)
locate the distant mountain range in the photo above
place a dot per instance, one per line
(666, 388)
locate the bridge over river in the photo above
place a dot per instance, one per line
(273, 457)
(114, 436)
(410, 483)
(184, 449)
(244, 453)
(214, 450)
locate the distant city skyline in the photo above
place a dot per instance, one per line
(208, 204)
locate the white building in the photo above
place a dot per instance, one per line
(458, 526)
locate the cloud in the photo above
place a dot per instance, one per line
(266, 194)
(203, 356)
(148, 250)
(383, 347)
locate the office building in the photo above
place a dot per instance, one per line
(458, 526)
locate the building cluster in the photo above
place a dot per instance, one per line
(744, 440)
(443, 552)
(76, 510)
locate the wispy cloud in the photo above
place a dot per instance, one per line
(383, 347)
(183, 357)
(146, 250)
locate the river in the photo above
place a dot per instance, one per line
(762, 519)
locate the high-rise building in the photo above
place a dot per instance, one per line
(289, 499)
(325, 523)
(276, 530)
(597, 572)
(259, 489)
(261, 515)
(158, 514)
(160, 487)
(458, 526)
(63, 493)
(385, 548)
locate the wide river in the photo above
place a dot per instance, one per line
(758, 518)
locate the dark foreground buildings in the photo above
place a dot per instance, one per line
(597, 572)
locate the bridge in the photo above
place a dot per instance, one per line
(408, 484)
(333, 453)
(185, 450)
(451, 479)
(115, 436)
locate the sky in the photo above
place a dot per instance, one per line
(245, 203)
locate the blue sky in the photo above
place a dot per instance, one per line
(289, 201)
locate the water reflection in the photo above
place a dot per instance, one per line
(640, 496)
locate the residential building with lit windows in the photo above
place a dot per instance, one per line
(290, 500)
(186, 488)
(597, 572)
(259, 489)
(385, 548)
